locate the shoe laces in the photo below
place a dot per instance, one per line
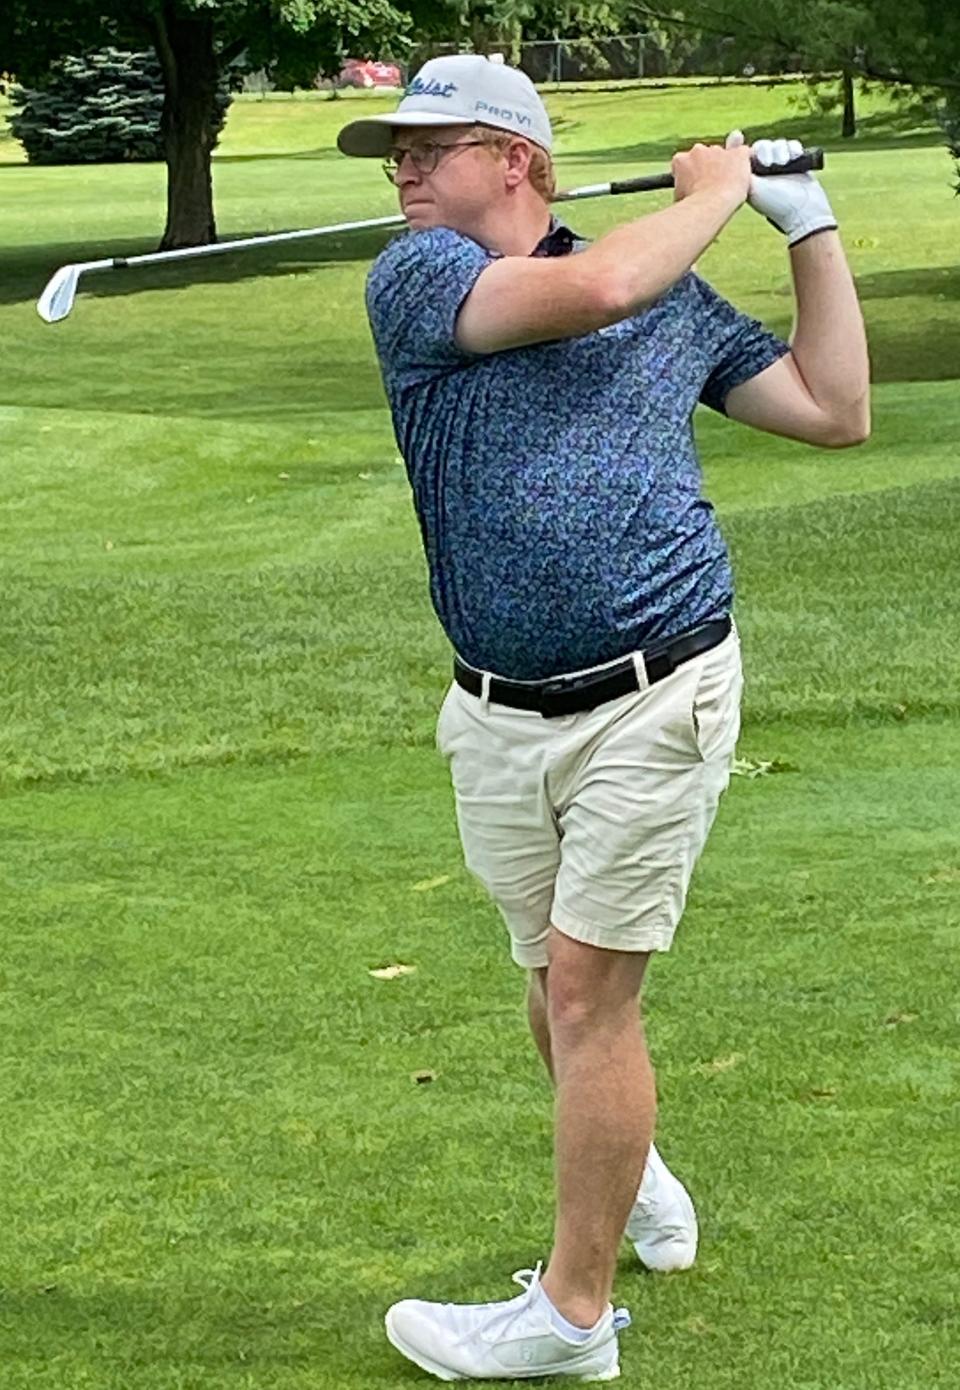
(529, 1281)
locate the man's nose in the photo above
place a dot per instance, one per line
(407, 171)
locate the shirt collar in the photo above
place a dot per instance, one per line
(559, 241)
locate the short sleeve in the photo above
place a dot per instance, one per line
(738, 346)
(414, 292)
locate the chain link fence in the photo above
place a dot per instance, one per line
(629, 57)
(618, 58)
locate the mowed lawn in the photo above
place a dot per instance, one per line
(221, 807)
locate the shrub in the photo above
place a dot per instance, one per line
(97, 108)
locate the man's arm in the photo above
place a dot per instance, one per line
(520, 300)
(820, 391)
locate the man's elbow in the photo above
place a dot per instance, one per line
(609, 297)
(850, 428)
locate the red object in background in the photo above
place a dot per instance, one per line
(366, 72)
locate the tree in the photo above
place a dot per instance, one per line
(908, 42)
(195, 42)
(911, 44)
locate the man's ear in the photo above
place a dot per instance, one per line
(517, 155)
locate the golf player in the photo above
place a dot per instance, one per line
(542, 393)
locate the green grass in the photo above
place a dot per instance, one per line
(221, 807)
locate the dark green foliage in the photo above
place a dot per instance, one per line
(102, 107)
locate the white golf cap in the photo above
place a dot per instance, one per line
(466, 89)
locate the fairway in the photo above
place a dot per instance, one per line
(221, 808)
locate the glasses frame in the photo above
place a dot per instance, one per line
(425, 157)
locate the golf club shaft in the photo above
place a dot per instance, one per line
(186, 252)
(810, 159)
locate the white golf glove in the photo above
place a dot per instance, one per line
(795, 203)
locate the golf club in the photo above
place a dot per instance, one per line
(58, 295)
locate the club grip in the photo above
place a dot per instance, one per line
(809, 159)
(804, 163)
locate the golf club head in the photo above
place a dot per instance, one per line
(58, 295)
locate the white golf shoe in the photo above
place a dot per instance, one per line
(515, 1340)
(663, 1223)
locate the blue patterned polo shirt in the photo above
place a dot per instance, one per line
(557, 485)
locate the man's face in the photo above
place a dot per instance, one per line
(445, 177)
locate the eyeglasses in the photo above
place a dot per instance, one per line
(425, 157)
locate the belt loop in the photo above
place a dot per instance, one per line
(485, 679)
(640, 666)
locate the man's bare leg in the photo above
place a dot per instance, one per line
(604, 1118)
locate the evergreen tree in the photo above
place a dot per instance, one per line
(97, 108)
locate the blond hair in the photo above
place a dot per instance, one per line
(542, 178)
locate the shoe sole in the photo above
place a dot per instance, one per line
(445, 1373)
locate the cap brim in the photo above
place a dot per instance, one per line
(371, 138)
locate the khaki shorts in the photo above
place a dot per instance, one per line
(593, 822)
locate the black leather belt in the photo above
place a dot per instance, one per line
(573, 694)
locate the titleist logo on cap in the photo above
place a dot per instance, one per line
(419, 88)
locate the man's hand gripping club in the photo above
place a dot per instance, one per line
(713, 174)
(796, 203)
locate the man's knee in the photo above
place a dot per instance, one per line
(590, 987)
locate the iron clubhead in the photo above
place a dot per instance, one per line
(58, 295)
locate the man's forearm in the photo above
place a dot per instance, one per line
(829, 343)
(642, 259)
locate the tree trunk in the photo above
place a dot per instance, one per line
(849, 110)
(185, 47)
